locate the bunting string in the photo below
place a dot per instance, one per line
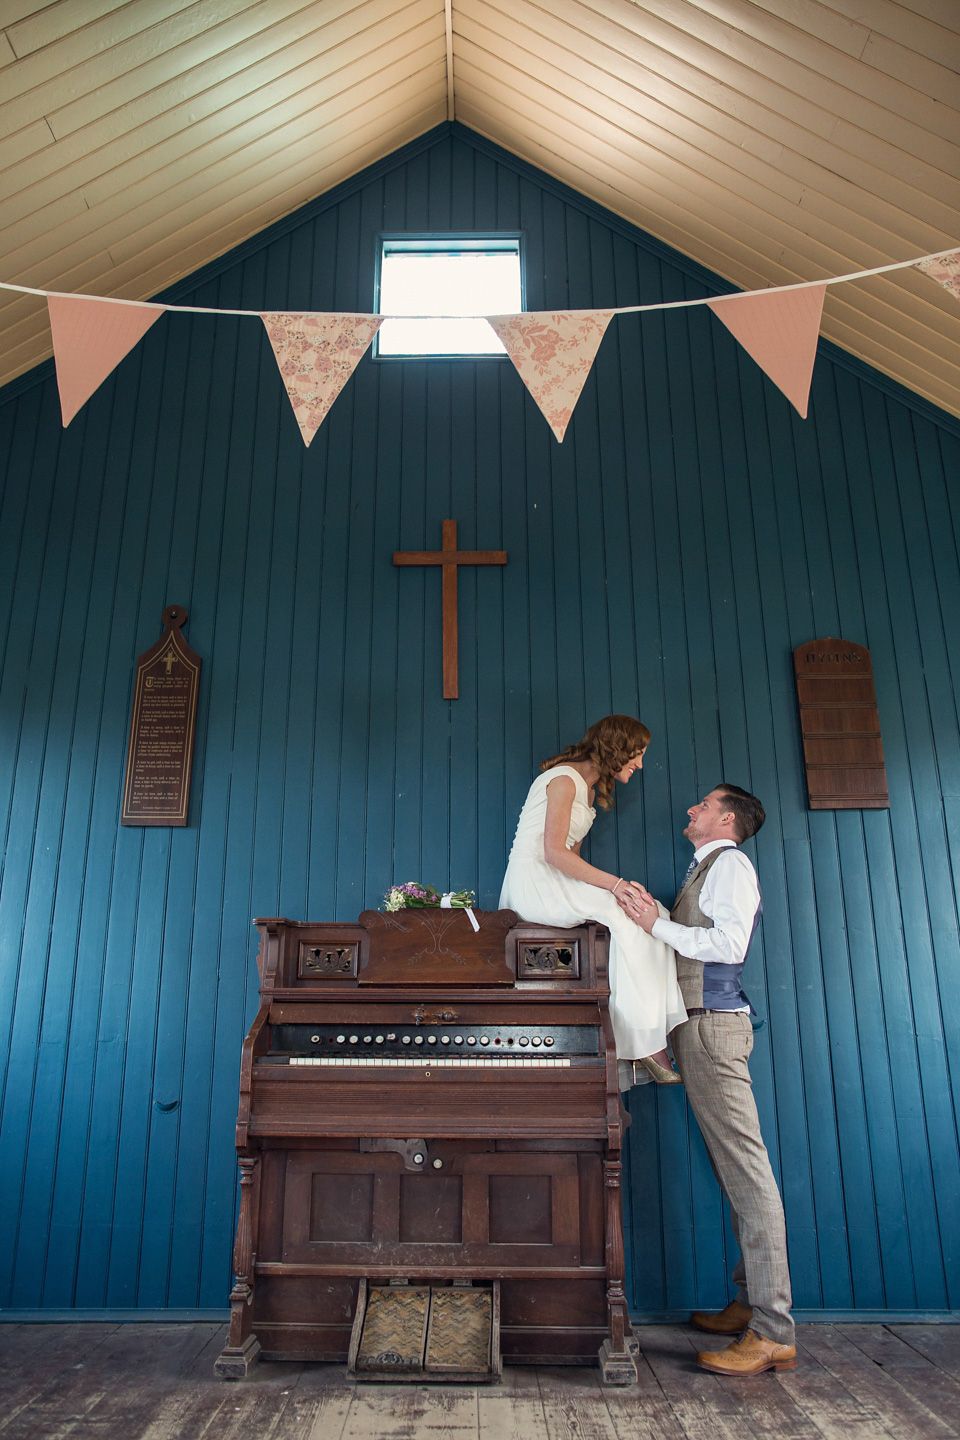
(919, 261)
(553, 351)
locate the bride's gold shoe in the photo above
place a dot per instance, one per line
(660, 1073)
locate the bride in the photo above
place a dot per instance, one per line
(548, 883)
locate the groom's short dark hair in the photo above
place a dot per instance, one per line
(748, 813)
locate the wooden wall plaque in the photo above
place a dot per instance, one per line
(156, 790)
(840, 725)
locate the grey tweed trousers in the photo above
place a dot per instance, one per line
(711, 1052)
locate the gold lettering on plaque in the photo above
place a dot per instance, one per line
(162, 727)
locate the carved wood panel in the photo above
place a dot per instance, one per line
(437, 945)
(327, 962)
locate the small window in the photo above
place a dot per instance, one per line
(445, 283)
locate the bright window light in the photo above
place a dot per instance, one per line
(453, 280)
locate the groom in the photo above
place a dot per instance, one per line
(710, 927)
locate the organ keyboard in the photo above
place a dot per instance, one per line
(485, 1045)
(421, 1103)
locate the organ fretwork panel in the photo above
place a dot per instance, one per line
(421, 1103)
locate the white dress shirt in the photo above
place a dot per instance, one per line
(730, 896)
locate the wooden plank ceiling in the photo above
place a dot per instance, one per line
(773, 141)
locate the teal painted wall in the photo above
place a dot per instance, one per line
(664, 560)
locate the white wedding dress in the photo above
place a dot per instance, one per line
(645, 1000)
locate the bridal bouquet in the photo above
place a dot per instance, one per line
(413, 896)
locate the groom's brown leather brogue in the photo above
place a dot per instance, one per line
(731, 1321)
(749, 1356)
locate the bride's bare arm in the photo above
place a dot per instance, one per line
(560, 797)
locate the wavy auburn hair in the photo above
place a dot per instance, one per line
(608, 744)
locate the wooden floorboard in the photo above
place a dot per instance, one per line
(939, 1344)
(118, 1386)
(512, 1410)
(574, 1406)
(34, 1356)
(156, 1382)
(837, 1413)
(919, 1376)
(699, 1402)
(876, 1389)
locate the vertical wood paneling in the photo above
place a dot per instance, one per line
(665, 560)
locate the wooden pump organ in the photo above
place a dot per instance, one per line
(430, 1116)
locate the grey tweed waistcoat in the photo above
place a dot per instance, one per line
(711, 985)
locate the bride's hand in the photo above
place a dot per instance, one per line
(639, 904)
(632, 897)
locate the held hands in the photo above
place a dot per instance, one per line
(638, 903)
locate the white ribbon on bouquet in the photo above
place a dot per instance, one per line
(446, 903)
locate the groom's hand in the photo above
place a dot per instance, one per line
(648, 916)
(639, 904)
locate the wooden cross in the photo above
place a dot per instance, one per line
(450, 557)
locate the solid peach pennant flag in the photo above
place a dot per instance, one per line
(945, 269)
(780, 331)
(553, 351)
(90, 338)
(317, 354)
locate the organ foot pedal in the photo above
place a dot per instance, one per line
(426, 1333)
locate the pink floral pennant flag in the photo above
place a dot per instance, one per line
(553, 351)
(945, 269)
(780, 332)
(317, 354)
(90, 338)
